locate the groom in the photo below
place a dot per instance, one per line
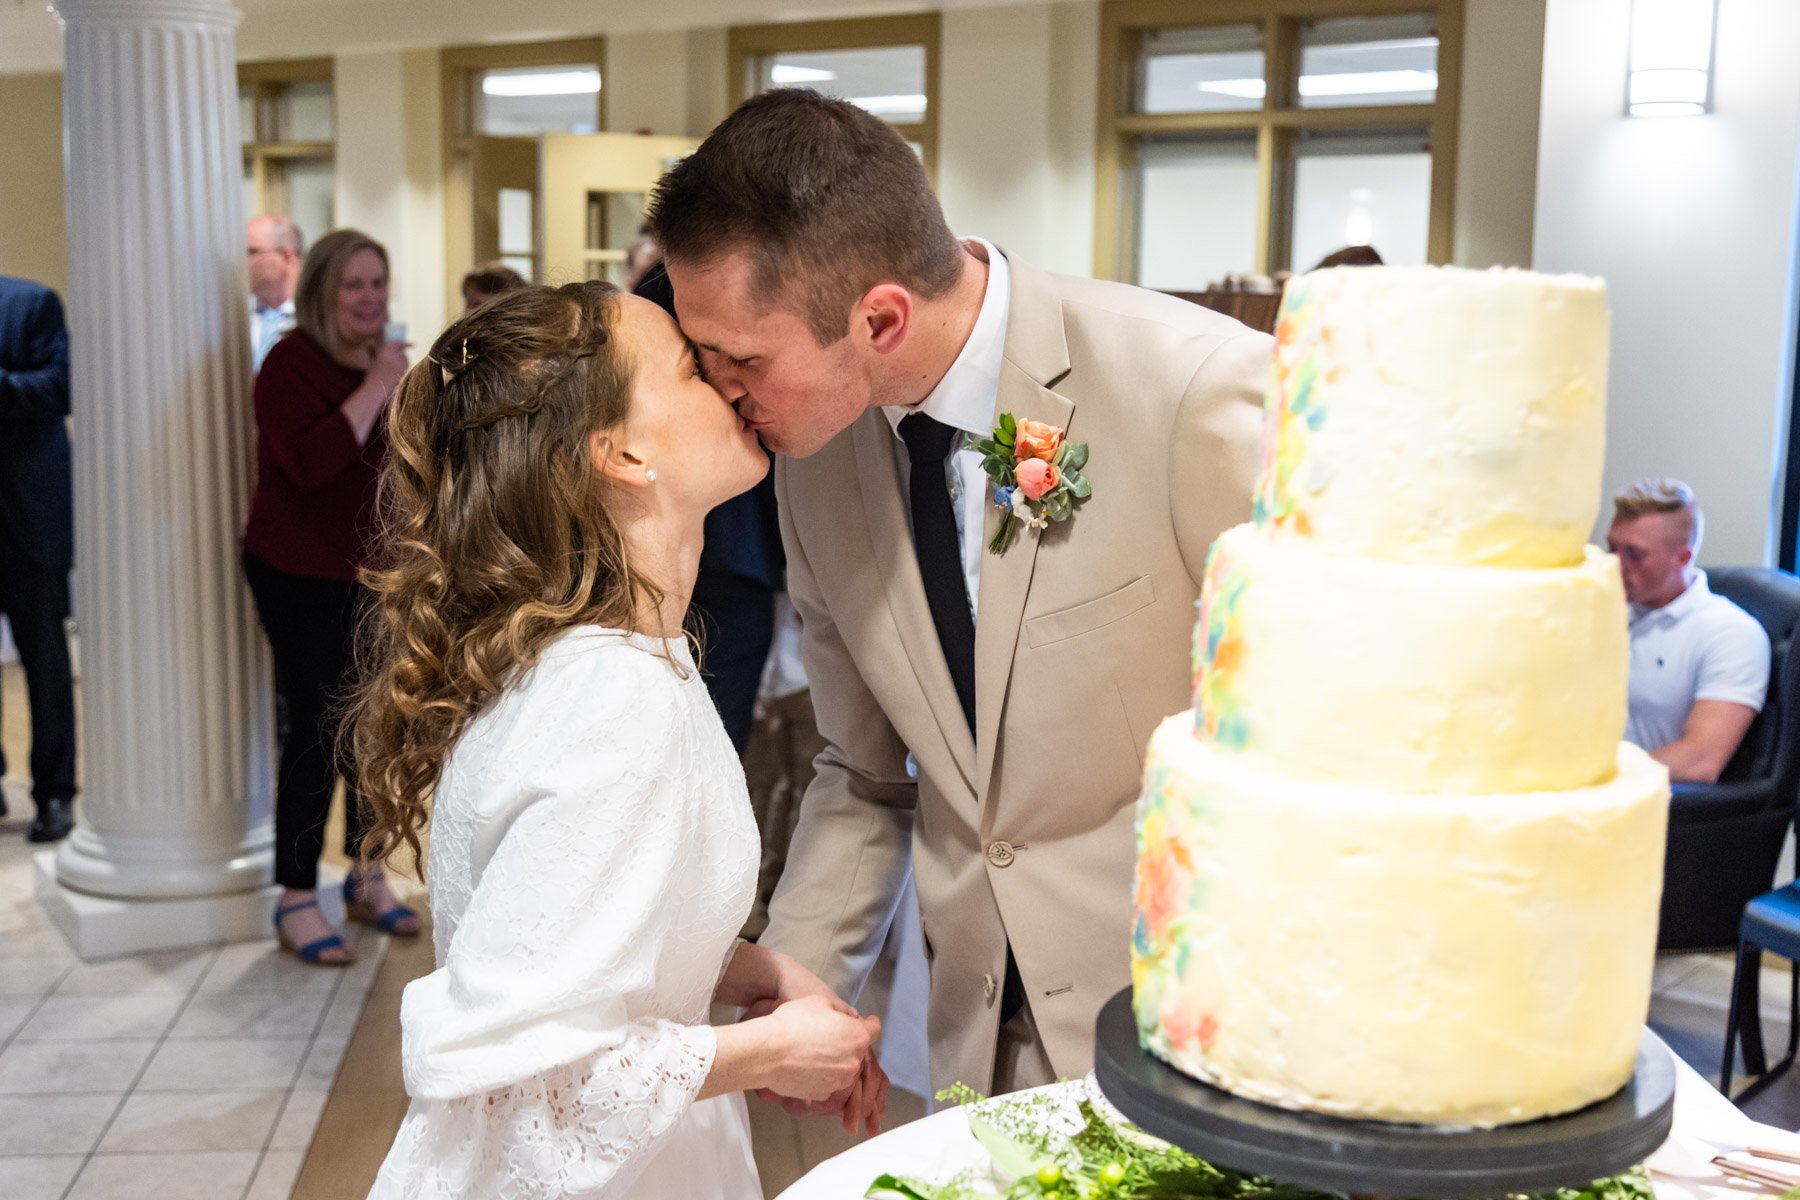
(986, 712)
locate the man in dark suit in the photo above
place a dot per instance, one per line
(741, 564)
(37, 536)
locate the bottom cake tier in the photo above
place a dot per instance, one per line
(1457, 960)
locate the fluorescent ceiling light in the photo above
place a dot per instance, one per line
(1343, 83)
(1671, 57)
(887, 106)
(787, 73)
(576, 81)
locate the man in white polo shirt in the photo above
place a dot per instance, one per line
(1699, 663)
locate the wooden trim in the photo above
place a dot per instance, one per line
(1276, 124)
(265, 157)
(1150, 14)
(1441, 238)
(287, 150)
(528, 54)
(746, 43)
(285, 70)
(1118, 46)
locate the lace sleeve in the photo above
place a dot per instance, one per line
(525, 1034)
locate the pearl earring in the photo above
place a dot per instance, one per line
(650, 474)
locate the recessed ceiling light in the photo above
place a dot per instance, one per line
(574, 81)
(787, 73)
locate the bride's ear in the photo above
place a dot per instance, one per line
(614, 463)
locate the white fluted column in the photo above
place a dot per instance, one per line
(174, 828)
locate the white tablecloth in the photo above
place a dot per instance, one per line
(940, 1146)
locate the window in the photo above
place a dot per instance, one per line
(499, 101)
(1247, 137)
(885, 65)
(287, 129)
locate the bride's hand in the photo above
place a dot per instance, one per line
(820, 1048)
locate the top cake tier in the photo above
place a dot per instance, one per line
(1437, 415)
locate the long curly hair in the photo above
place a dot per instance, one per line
(496, 534)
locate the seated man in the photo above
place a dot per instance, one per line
(1699, 663)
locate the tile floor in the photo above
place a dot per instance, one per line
(178, 1075)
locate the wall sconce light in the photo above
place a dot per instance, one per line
(1671, 58)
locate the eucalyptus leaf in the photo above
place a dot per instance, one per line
(1059, 505)
(1080, 488)
(893, 1187)
(1077, 456)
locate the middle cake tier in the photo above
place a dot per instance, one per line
(1407, 677)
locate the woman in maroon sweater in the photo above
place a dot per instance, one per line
(321, 398)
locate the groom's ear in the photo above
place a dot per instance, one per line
(883, 317)
(613, 463)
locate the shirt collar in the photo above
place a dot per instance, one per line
(964, 397)
(285, 308)
(1691, 598)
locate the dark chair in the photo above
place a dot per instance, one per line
(1725, 837)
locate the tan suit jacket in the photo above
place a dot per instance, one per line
(1023, 832)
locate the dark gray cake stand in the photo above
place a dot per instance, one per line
(1376, 1158)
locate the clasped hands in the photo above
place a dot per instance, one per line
(830, 1068)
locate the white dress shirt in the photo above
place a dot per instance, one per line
(266, 327)
(964, 399)
(1698, 646)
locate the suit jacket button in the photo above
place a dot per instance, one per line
(1000, 854)
(989, 987)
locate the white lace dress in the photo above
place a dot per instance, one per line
(593, 855)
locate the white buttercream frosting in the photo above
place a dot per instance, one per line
(1453, 959)
(1413, 677)
(1429, 414)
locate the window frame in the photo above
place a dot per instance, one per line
(457, 68)
(748, 43)
(264, 154)
(1276, 124)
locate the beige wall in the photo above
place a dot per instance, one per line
(33, 236)
(388, 173)
(1015, 156)
(1691, 221)
(1497, 132)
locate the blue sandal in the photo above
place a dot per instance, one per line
(313, 952)
(388, 921)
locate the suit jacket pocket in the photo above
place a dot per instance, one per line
(1084, 618)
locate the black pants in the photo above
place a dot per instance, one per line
(35, 601)
(734, 618)
(311, 624)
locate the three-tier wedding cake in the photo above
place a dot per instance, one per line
(1396, 863)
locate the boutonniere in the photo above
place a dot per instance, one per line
(1036, 473)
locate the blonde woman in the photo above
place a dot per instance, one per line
(319, 448)
(593, 852)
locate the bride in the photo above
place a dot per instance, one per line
(593, 852)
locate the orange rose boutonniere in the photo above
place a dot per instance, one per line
(1036, 473)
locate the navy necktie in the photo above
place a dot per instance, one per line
(928, 443)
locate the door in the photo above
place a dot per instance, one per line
(591, 200)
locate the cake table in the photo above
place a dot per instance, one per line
(940, 1146)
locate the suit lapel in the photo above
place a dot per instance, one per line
(890, 540)
(1036, 357)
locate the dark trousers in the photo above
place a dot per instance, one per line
(311, 625)
(734, 618)
(35, 601)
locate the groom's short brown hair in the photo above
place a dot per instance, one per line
(827, 201)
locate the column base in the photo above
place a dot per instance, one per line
(101, 927)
